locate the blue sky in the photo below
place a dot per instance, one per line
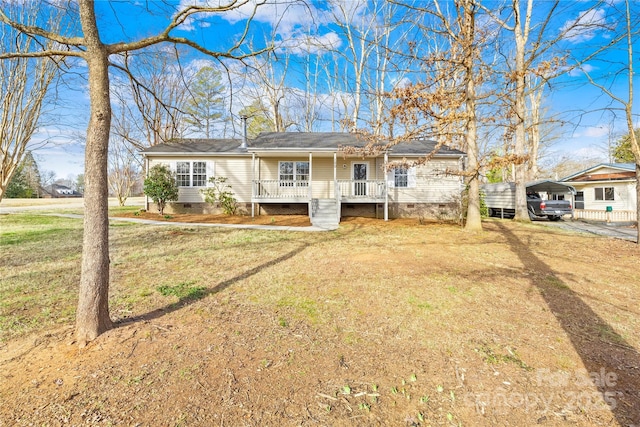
(310, 27)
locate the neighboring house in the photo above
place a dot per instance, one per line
(605, 187)
(308, 173)
(58, 191)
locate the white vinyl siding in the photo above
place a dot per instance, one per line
(237, 170)
(624, 195)
(427, 183)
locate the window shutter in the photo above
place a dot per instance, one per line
(211, 172)
(391, 180)
(171, 165)
(411, 177)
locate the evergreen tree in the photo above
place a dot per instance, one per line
(25, 182)
(205, 105)
(257, 119)
(621, 151)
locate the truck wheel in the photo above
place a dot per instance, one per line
(554, 218)
(491, 212)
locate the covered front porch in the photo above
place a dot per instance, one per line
(322, 180)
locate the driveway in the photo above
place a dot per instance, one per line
(618, 231)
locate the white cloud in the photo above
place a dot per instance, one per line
(282, 15)
(593, 132)
(585, 68)
(298, 44)
(585, 26)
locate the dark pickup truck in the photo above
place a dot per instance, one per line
(500, 199)
(552, 209)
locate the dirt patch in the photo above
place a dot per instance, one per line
(281, 220)
(395, 323)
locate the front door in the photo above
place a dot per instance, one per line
(360, 176)
(579, 200)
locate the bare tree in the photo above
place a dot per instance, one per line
(267, 83)
(444, 104)
(92, 317)
(124, 170)
(24, 86)
(151, 97)
(533, 43)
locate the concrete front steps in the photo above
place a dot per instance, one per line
(324, 213)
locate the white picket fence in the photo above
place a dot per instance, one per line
(600, 215)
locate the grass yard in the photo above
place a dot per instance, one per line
(398, 323)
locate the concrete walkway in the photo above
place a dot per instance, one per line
(202, 224)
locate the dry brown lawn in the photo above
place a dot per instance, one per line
(397, 323)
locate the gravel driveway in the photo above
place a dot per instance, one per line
(619, 231)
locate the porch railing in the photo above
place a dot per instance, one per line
(347, 189)
(280, 189)
(362, 189)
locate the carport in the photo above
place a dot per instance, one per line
(550, 187)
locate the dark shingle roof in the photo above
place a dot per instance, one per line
(292, 141)
(631, 167)
(197, 146)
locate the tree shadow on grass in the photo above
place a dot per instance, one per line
(189, 295)
(613, 364)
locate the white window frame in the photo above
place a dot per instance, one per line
(401, 178)
(411, 177)
(193, 175)
(296, 180)
(608, 194)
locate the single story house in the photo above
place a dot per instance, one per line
(58, 191)
(605, 191)
(310, 174)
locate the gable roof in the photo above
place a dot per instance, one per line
(622, 167)
(185, 146)
(292, 141)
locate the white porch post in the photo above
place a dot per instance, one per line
(310, 189)
(310, 176)
(386, 188)
(253, 186)
(335, 174)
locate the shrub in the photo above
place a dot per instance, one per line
(221, 193)
(161, 186)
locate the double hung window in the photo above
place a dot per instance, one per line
(604, 193)
(401, 177)
(293, 174)
(191, 174)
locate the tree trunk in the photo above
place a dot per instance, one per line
(520, 113)
(92, 317)
(474, 218)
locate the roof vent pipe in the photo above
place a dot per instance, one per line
(244, 132)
